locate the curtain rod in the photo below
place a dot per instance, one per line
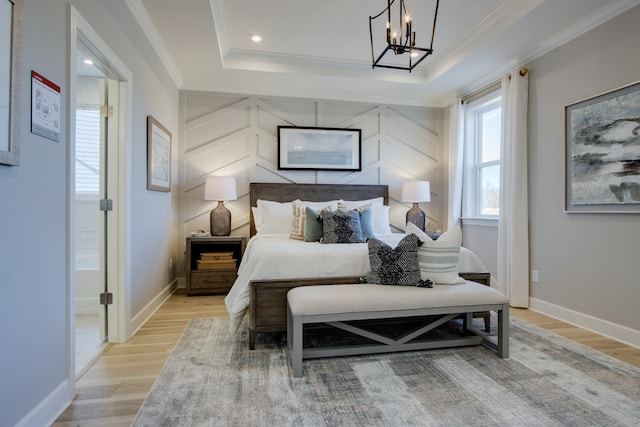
(523, 72)
(480, 93)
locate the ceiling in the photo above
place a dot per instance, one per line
(321, 49)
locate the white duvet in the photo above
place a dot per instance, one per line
(275, 256)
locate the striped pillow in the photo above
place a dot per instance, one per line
(438, 259)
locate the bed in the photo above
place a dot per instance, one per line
(273, 263)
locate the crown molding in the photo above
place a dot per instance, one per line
(141, 15)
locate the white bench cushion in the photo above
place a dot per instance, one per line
(328, 299)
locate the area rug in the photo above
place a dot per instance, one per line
(213, 379)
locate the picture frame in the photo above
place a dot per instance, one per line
(158, 156)
(602, 153)
(11, 12)
(319, 148)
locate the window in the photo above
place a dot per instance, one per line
(88, 150)
(482, 139)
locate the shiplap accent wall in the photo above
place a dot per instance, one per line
(236, 136)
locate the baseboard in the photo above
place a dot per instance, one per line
(143, 315)
(603, 327)
(50, 408)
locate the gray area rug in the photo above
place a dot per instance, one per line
(213, 379)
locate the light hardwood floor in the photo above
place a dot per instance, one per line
(111, 391)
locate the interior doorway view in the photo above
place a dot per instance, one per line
(90, 227)
(99, 92)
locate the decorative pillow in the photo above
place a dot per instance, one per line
(341, 227)
(276, 217)
(366, 224)
(395, 266)
(313, 225)
(298, 222)
(380, 220)
(438, 259)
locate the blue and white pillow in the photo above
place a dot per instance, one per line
(438, 259)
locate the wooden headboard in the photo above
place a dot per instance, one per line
(311, 192)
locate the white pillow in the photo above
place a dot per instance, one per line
(275, 217)
(318, 205)
(380, 220)
(438, 259)
(257, 218)
(355, 204)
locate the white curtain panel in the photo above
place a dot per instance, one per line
(456, 150)
(513, 232)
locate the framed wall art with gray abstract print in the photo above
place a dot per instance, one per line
(602, 171)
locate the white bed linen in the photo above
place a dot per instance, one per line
(275, 256)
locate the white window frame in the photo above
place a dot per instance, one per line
(473, 165)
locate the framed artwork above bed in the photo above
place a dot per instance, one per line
(313, 148)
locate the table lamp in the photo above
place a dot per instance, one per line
(416, 192)
(220, 188)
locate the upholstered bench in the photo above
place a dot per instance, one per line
(336, 305)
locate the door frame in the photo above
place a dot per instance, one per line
(119, 143)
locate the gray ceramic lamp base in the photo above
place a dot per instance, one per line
(220, 220)
(416, 216)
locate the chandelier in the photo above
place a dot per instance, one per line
(401, 41)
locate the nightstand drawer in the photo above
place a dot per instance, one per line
(221, 280)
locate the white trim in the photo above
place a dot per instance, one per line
(143, 315)
(481, 222)
(606, 13)
(610, 11)
(55, 403)
(599, 326)
(145, 22)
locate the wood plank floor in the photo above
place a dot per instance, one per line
(110, 392)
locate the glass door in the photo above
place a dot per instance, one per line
(90, 219)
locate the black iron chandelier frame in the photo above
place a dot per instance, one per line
(395, 42)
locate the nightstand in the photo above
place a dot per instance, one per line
(212, 263)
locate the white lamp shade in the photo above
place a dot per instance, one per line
(416, 191)
(220, 188)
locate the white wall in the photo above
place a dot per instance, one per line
(588, 263)
(34, 277)
(237, 135)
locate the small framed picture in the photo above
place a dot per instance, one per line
(158, 156)
(314, 148)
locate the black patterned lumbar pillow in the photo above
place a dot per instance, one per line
(395, 266)
(341, 227)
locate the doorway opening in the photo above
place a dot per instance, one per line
(99, 93)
